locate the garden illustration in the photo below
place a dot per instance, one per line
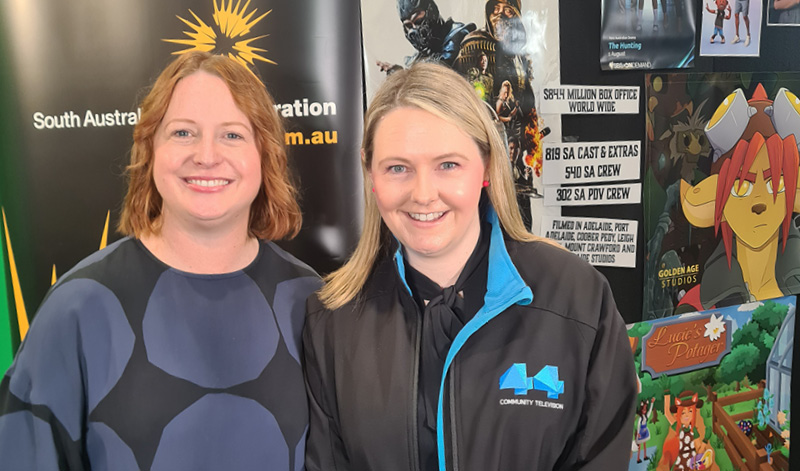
(715, 389)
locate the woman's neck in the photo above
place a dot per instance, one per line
(202, 252)
(445, 269)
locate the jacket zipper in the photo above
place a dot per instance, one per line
(415, 390)
(452, 408)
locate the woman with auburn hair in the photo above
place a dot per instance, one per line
(453, 338)
(177, 347)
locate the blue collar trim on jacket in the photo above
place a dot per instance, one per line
(504, 287)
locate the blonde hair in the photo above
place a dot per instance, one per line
(442, 92)
(507, 84)
(274, 214)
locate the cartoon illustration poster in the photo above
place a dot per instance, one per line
(714, 389)
(730, 28)
(720, 190)
(507, 49)
(647, 35)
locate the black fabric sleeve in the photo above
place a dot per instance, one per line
(324, 447)
(604, 440)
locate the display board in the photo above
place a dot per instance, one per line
(737, 244)
(73, 75)
(715, 389)
(508, 50)
(644, 35)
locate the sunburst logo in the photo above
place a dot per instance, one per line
(229, 36)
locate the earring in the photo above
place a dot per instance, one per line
(373, 189)
(485, 183)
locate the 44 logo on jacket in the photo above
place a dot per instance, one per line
(516, 378)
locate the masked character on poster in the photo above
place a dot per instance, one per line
(749, 198)
(433, 37)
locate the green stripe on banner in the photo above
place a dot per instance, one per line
(6, 353)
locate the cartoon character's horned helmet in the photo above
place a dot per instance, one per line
(738, 119)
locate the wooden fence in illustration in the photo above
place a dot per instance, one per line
(743, 454)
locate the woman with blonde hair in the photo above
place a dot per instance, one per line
(453, 338)
(177, 347)
(507, 109)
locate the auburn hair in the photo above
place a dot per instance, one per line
(275, 213)
(783, 161)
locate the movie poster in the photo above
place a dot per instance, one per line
(730, 28)
(507, 49)
(73, 74)
(783, 13)
(720, 190)
(647, 35)
(714, 389)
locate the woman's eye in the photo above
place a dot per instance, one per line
(741, 188)
(233, 135)
(781, 187)
(181, 133)
(449, 165)
(397, 169)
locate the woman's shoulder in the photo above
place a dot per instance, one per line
(547, 254)
(92, 290)
(282, 260)
(119, 260)
(378, 292)
(562, 282)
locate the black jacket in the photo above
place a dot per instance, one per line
(541, 384)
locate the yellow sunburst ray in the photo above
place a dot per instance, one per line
(22, 316)
(248, 59)
(201, 26)
(197, 47)
(243, 25)
(246, 19)
(254, 22)
(197, 38)
(221, 15)
(233, 21)
(53, 277)
(104, 237)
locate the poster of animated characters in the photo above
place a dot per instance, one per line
(507, 49)
(720, 190)
(730, 28)
(647, 34)
(714, 389)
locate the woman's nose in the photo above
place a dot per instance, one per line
(425, 190)
(207, 153)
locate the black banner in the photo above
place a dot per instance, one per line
(75, 71)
